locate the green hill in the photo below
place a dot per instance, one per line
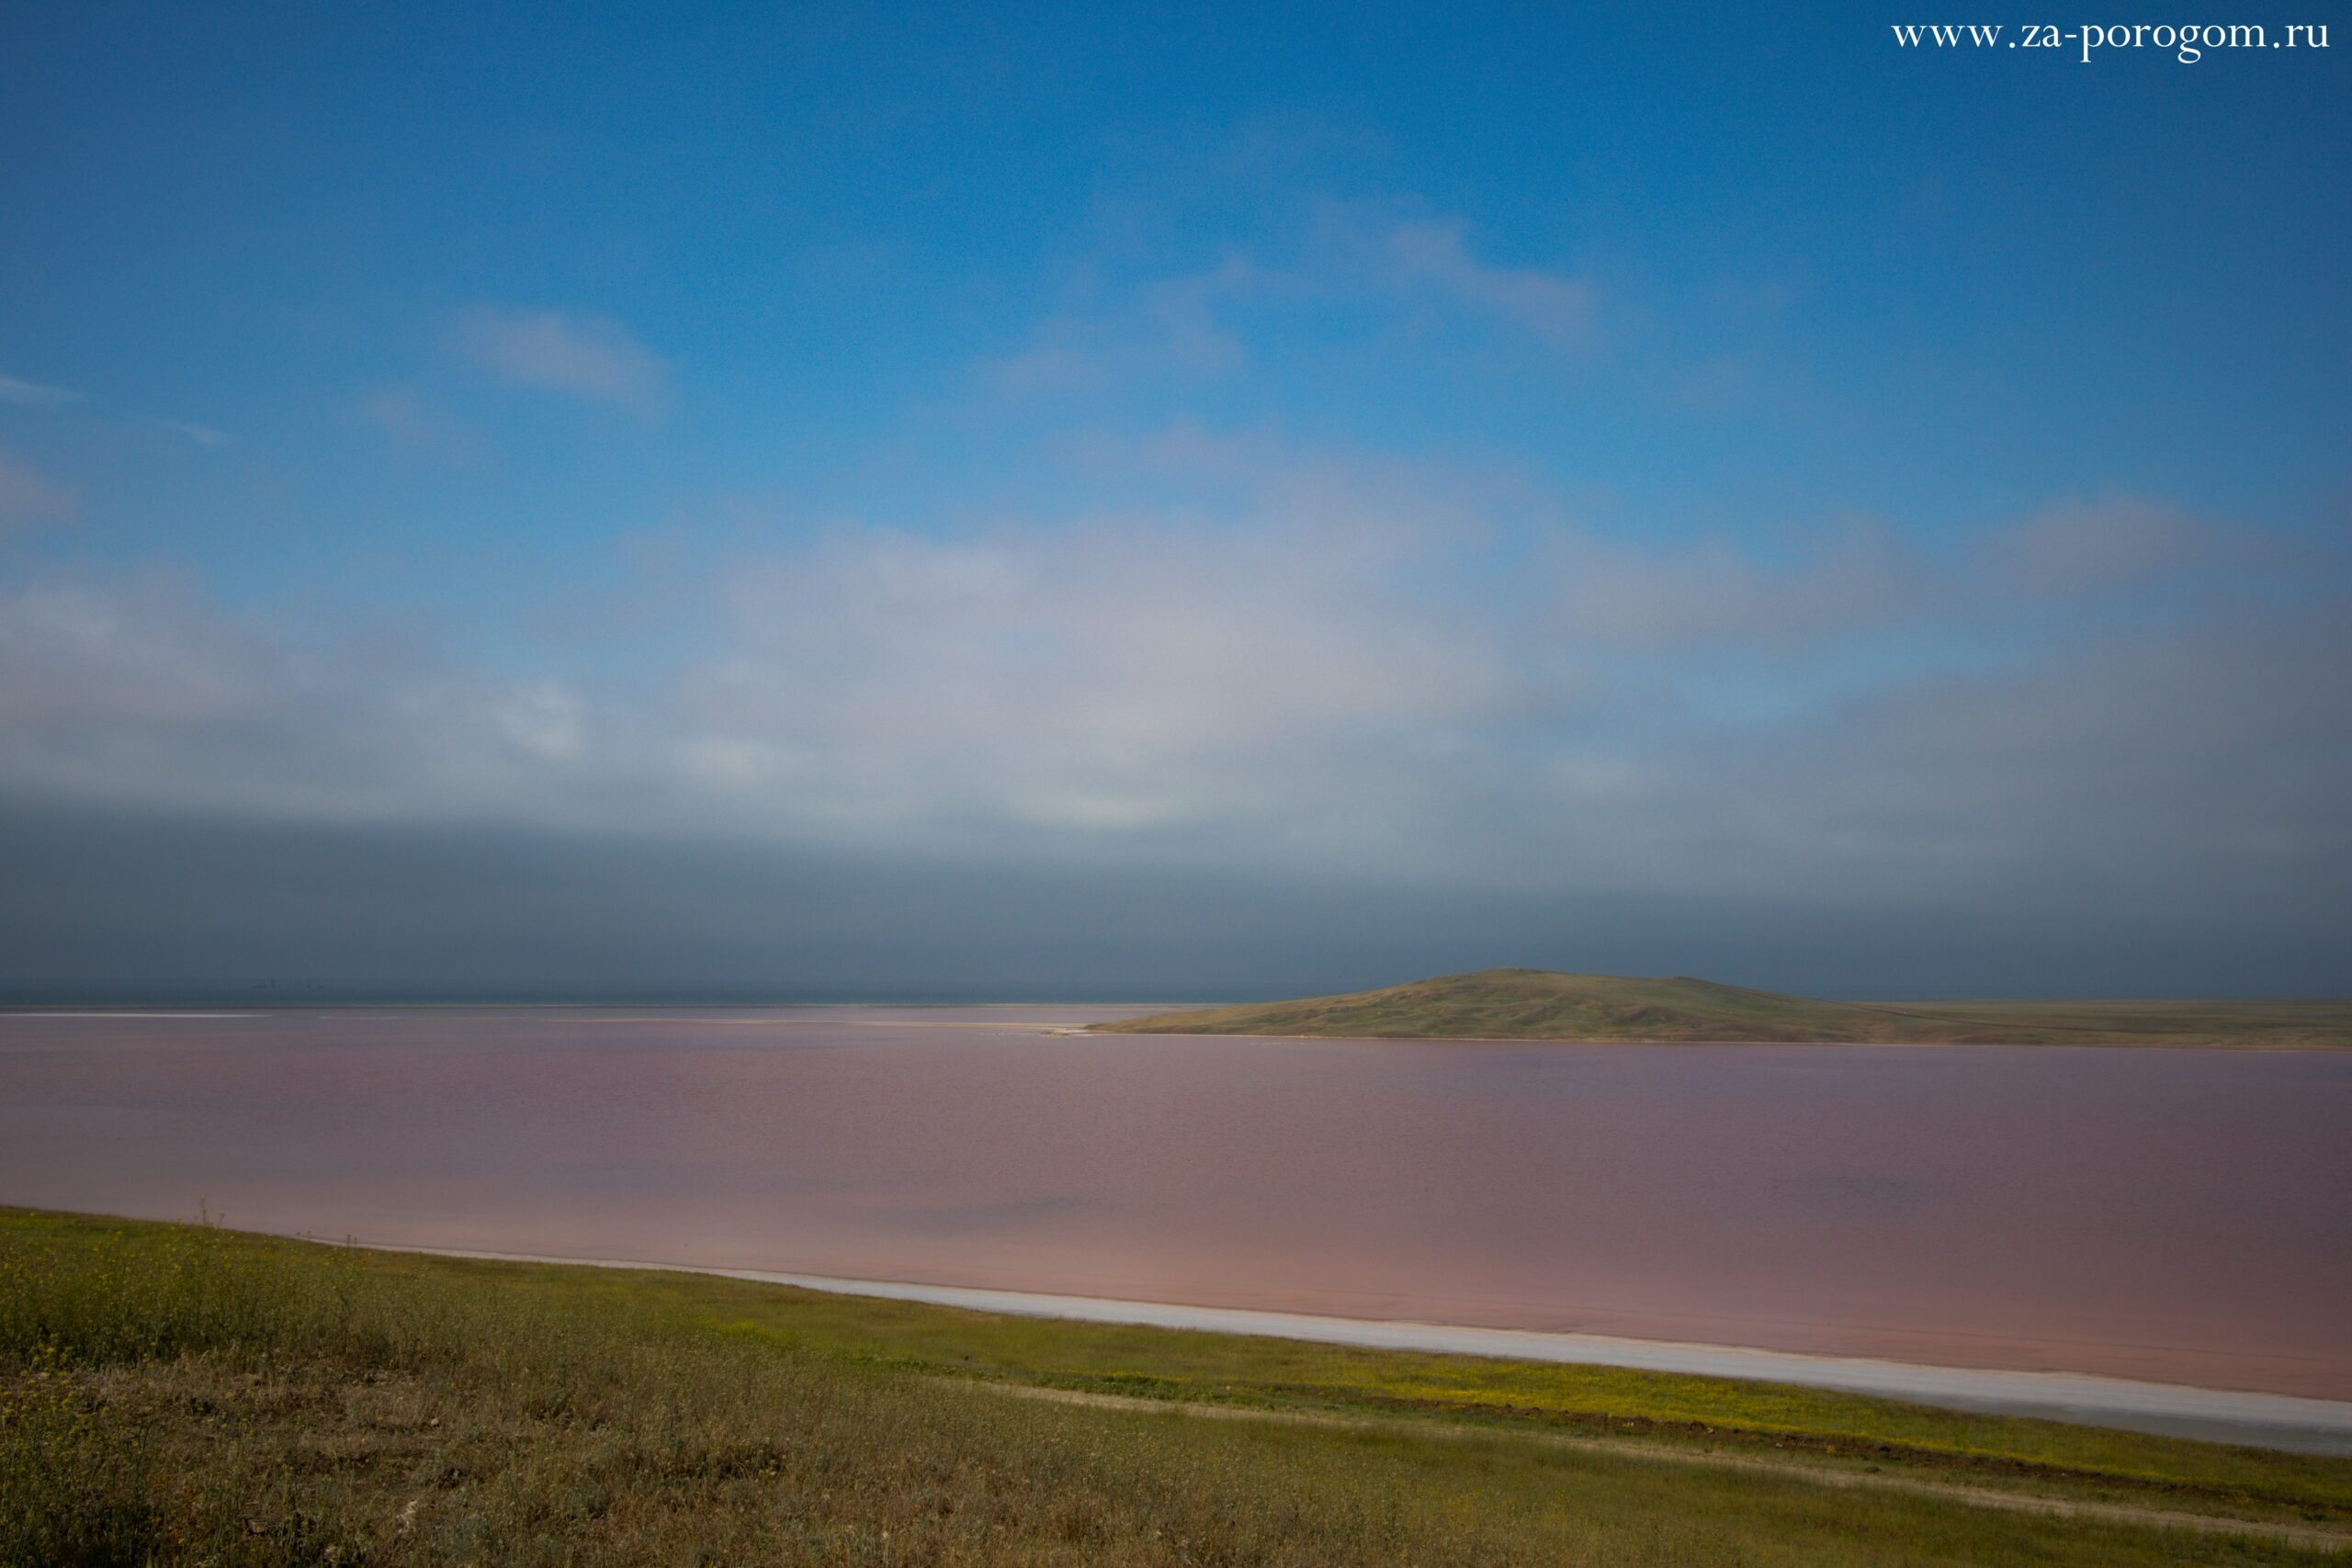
(1536, 1004)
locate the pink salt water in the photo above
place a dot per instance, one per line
(2180, 1216)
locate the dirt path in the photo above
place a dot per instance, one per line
(2322, 1537)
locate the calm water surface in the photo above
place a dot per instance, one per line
(2177, 1215)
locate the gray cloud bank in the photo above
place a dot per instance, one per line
(153, 907)
(1294, 721)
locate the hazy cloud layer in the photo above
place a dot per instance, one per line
(1861, 577)
(27, 496)
(1306, 668)
(145, 692)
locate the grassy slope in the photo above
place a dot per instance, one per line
(181, 1395)
(1534, 1004)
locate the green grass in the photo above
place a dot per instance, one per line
(1535, 1004)
(186, 1394)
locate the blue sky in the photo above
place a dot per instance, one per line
(1511, 461)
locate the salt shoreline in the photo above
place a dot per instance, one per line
(2266, 1420)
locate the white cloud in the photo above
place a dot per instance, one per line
(202, 434)
(128, 664)
(143, 691)
(33, 394)
(1167, 327)
(1554, 307)
(1115, 676)
(1344, 258)
(412, 421)
(1051, 366)
(585, 356)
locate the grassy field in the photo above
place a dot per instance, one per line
(1535, 1004)
(188, 1394)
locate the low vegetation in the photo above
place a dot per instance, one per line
(181, 1394)
(1536, 1004)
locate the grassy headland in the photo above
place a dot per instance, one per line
(182, 1394)
(1537, 1004)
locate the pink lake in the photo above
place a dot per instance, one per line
(2181, 1216)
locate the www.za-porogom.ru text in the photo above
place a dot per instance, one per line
(2187, 42)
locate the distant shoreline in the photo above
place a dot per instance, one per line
(1112, 1028)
